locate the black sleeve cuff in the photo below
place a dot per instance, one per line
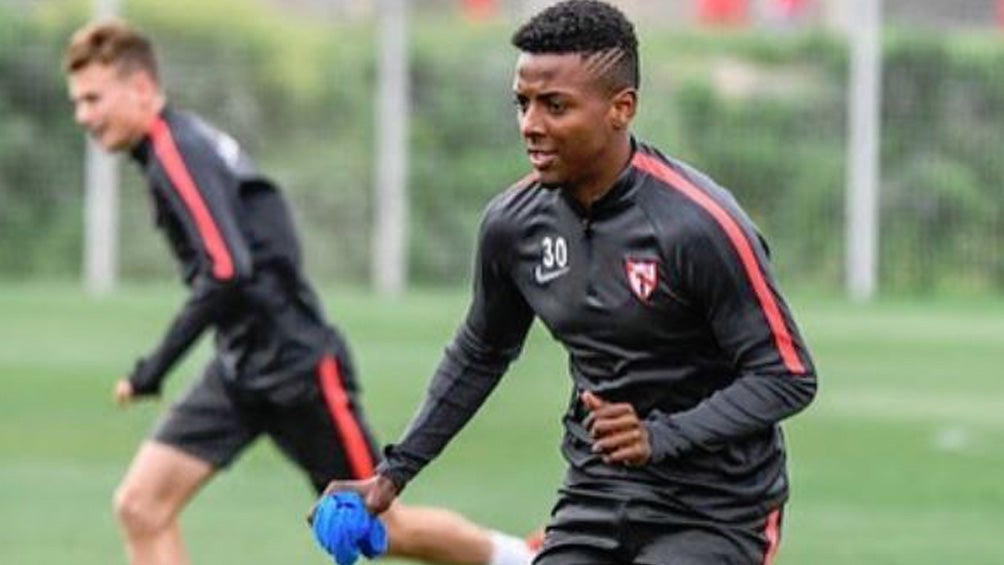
(397, 473)
(143, 381)
(664, 438)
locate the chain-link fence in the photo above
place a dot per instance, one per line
(763, 112)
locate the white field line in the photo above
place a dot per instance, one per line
(915, 406)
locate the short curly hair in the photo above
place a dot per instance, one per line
(589, 27)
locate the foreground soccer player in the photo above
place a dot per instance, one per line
(279, 368)
(684, 357)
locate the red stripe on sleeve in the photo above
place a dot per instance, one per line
(782, 337)
(357, 449)
(167, 151)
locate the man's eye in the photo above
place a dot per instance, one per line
(520, 104)
(555, 107)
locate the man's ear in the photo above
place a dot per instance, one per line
(622, 108)
(143, 85)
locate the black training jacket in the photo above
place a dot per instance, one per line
(233, 236)
(663, 297)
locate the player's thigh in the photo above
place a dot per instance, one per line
(210, 421)
(710, 544)
(577, 554)
(161, 479)
(324, 430)
(583, 531)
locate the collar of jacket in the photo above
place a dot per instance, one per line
(617, 198)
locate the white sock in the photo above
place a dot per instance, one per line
(509, 550)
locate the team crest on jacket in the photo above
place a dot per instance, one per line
(643, 276)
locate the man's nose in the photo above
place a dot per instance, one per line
(82, 114)
(530, 124)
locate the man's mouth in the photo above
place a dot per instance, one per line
(96, 132)
(541, 159)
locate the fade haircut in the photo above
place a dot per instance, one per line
(111, 42)
(596, 30)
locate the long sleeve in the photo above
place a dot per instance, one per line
(727, 275)
(489, 339)
(199, 192)
(205, 303)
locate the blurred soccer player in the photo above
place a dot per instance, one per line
(279, 368)
(684, 357)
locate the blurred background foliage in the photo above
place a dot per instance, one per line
(762, 113)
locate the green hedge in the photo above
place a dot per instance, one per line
(765, 115)
(40, 217)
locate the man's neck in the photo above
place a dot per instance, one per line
(611, 169)
(150, 116)
(156, 107)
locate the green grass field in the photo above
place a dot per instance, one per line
(899, 461)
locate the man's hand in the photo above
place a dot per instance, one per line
(122, 394)
(378, 492)
(617, 432)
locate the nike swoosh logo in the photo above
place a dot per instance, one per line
(546, 277)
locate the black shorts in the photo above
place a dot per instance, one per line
(587, 530)
(321, 426)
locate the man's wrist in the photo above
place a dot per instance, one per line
(385, 482)
(393, 477)
(663, 439)
(142, 383)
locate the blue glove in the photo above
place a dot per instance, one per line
(345, 529)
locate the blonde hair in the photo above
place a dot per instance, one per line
(111, 42)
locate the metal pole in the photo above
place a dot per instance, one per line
(862, 222)
(106, 8)
(391, 222)
(100, 221)
(101, 175)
